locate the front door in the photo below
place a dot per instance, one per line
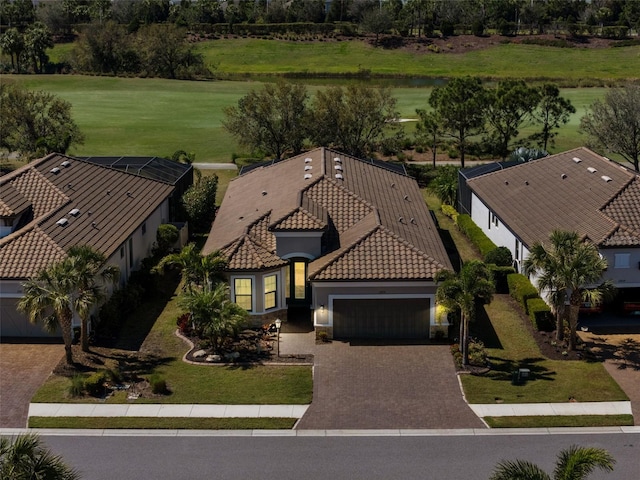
(297, 287)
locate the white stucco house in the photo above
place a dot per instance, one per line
(577, 190)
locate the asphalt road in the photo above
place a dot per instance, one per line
(335, 457)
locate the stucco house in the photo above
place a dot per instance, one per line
(348, 240)
(577, 190)
(58, 201)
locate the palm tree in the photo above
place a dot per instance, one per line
(196, 268)
(91, 272)
(26, 458)
(48, 299)
(565, 268)
(460, 292)
(213, 313)
(574, 463)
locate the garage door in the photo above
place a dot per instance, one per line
(375, 318)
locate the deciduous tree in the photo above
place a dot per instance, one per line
(614, 123)
(353, 118)
(35, 123)
(552, 112)
(199, 202)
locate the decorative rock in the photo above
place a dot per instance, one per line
(199, 353)
(213, 358)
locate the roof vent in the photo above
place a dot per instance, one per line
(308, 160)
(576, 159)
(65, 164)
(393, 185)
(506, 182)
(63, 222)
(563, 176)
(108, 192)
(94, 224)
(339, 176)
(526, 182)
(337, 160)
(606, 178)
(264, 192)
(75, 212)
(413, 220)
(307, 176)
(401, 219)
(406, 197)
(55, 170)
(338, 167)
(307, 168)
(591, 170)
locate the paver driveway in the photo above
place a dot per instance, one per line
(23, 368)
(365, 386)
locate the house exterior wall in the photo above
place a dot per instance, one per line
(305, 244)
(623, 276)
(259, 314)
(324, 293)
(127, 257)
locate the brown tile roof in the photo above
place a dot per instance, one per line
(111, 204)
(28, 253)
(245, 254)
(625, 210)
(12, 202)
(558, 191)
(351, 208)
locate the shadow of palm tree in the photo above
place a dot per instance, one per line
(503, 369)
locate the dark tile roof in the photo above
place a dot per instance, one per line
(12, 202)
(576, 190)
(111, 204)
(380, 223)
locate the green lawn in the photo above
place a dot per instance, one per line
(560, 421)
(156, 117)
(163, 423)
(200, 384)
(256, 56)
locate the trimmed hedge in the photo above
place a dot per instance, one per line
(540, 314)
(500, 274)
(475, 234)
(450, 212)
(521, 289)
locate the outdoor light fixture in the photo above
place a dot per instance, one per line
(322, 307)
(278, 323)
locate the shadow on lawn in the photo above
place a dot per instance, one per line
(483, 329)
(503, 369)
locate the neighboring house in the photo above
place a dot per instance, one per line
(57, 202)
(351, 240)
(577, 191)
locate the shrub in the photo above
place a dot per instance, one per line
(500, 277)
(94, 385)
(540, 314)
(166, 236)
(158, 384)
(447, 28)
(500, 256)
(521, 289)
(477, 353)
(477, 28)
(450, 212)
(475, 234)
(76, 389)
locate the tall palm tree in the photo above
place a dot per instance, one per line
(196, 268)
(26, 458)
(213, 313)
(574, 463)
(565, 268)
(48, 298)
(90, 275)
(460, 292)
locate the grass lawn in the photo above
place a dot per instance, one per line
(156, 117)
(510, 347)
(256, 56)
(163, 423)
(560, 421)
(154, 326)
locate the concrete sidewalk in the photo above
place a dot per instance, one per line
(551, 409)
(165, 410)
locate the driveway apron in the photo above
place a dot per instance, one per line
(23, 368)
(366, 386)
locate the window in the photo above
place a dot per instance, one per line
(121, 252)
(131, 253)
(622, 260)
(517, 249)
(287, 282)
(299, 280)
(243, 292)
(144, 228)
(270, 291)
(494, 219)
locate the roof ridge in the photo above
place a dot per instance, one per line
(626, 185)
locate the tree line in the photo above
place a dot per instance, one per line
(410, 17)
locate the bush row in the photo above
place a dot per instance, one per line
(523, 291)
(475, 234)
(299, 28)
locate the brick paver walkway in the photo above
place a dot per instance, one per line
(23, 368)
(386, 386)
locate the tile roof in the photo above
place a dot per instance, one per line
(246, 254)
(111, 205)
(12, 202)
(575, 190)
(365, 211)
